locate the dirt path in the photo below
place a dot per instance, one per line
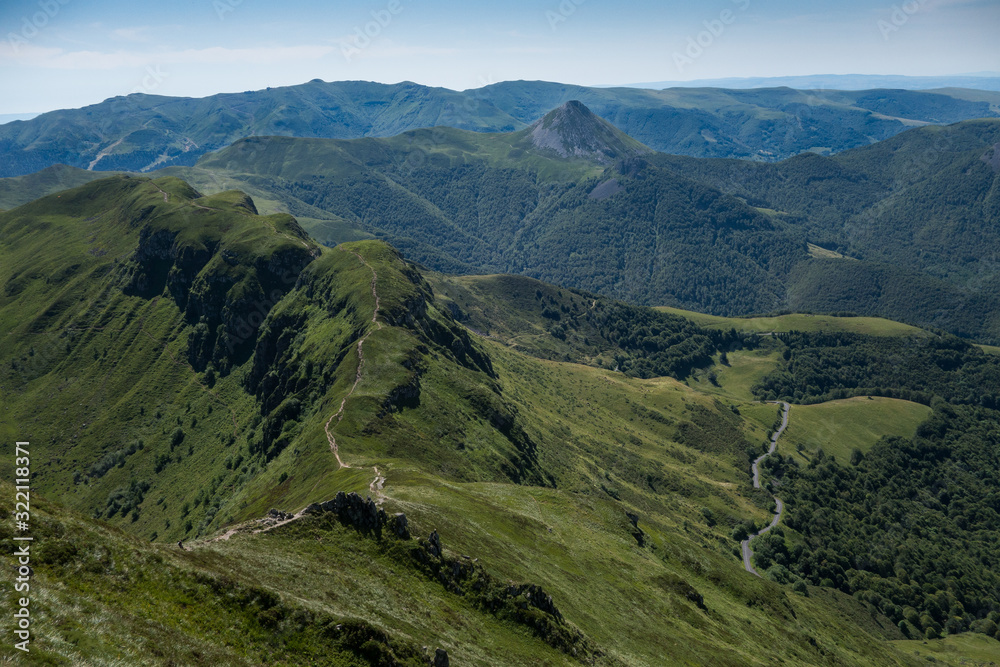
(375, 487)
(780, 507)
(166, 197)
(265, 524)
(339, 414)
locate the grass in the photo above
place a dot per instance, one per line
(874, 326)
(838, 427)
(736, 378)
(964, 650)
(816, 251)
(530, 465)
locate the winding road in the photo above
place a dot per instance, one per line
(745, 544)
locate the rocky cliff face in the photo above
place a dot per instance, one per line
(224, 293)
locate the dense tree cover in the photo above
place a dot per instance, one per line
(876, 289)
(654, 344)
(822, 366)
(727, 237)
(912, 528)
(918, 209)
(659, 239)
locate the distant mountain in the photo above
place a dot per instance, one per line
(573, 130)
(8, 117)
(903, 228)
(984, 81)
(721, 236)
(142, 132)
(920, 209)
(466, 202)
(145, 132)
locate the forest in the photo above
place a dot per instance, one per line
(912, 528)
(824, 366)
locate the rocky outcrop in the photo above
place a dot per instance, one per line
(636, 531)
(225, 293)
(572, 130)
(525, 604)
(362, 514)
(146, 273)
(278, 515)
(399, 526)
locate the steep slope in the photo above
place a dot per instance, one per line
(143, 132)
(919, 210)
(520, 478)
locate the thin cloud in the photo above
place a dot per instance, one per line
(217, 55)
(136, 34)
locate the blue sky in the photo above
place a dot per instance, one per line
(70, 53)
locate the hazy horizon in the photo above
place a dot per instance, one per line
(72, 53)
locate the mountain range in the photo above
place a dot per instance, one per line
(978, 81)
(144, 132)
(443, 396)
(889, 229)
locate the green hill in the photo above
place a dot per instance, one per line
(464, 202)
(655, 229)
(891, 230)
(143, 132)
(181, 365)
(916, 209)
(23, 189)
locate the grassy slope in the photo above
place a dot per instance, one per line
(965, 650)
(100, 596)
(112, 369)
(873, 326)
(588, 445)
(837, 427)
(20, 190)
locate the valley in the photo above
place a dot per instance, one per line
(365, 374)
(208, 364)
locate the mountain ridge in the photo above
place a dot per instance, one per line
(622, 495)
(145, 132)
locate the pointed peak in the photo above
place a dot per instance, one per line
(573, 130)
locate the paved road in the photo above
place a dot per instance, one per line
(780, 507)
